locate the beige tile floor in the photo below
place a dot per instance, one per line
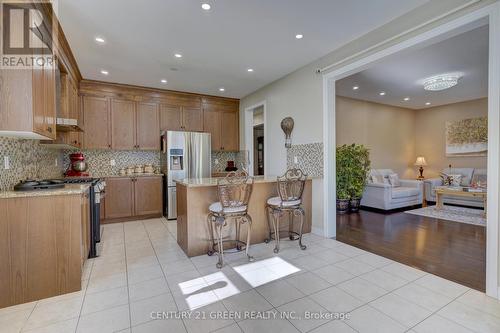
(141, 270)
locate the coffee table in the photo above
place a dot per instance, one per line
(441, 191)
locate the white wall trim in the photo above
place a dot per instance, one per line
(493, 13)
(249, 112)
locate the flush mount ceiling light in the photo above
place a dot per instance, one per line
(355, 88)
(382, 93)
(205, 6)
(441, 82)
(100, 40)
(104, 72)
(178, 55)
(299, 36)
(164, 81)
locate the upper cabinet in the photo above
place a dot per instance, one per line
(221, 120)
(97, 122)
(129, 118)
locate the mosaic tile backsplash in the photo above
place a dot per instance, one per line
(99, 160)
(239, 158)
(28, 160)
(309, 156)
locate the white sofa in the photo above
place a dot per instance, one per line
(386, 197)
(469, 175)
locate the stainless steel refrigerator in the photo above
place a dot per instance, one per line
(188, 155)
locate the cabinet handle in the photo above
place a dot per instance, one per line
(109, 146)
(75, 142)
(49, 129)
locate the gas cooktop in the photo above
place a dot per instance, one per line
(31, 185)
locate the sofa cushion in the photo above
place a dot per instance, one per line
(404, 192)
(465, 172)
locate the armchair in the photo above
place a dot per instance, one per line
(386, 196)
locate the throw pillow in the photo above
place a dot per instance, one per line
(451, 180)
(377, 179)
(394, 180)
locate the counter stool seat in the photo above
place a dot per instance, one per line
(276, 201)
(216, 208)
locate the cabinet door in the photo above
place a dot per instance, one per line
(170, 118)
(148, 196)
(38, 99)
(148, 126)
(211, 124)
(49, 85)
(119, 197)
(97, 122)
(123, 124)
(192, 119)
(229, 131)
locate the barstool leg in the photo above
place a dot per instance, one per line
(238, 227)
(276, 221)
(290, 225)
(249, 234)
(220, 252)
(210, 222)
(268, 215)
(302, 215)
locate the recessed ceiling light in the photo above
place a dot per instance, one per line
(178, 55)
(428, 103)
(222, 89)
(382, 93)
(355, 88)
(100, 40)
(163, 81)
(250, 70)
(205, 6)
(406, 98)
(104, 72)
(299, 36)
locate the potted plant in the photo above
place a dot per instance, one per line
(342, 178)
(360, 167)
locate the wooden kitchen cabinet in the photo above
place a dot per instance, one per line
(133, 197)
(97, 122)
(148, 196)
(147, 126)
(119, 197)
(181, 118)
(123, 124)
(86, 242)
(222, 122)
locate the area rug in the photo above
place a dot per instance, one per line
(452, 213)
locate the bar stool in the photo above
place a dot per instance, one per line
(290, 189)
(234, 193)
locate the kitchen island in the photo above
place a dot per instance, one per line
(195, 195)
(44, 241)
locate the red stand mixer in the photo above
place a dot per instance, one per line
(77, 166)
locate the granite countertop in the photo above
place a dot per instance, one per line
(68, 189)
(133, 175)
(204, 182)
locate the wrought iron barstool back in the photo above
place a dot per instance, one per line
(290, 190)
(234, 193)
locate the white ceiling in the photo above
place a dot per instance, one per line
(217, 46)
(401, 76)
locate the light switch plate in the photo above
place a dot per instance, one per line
(6, 162)
(56, 162)
(112, 162)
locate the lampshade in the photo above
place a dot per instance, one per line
(420, 161)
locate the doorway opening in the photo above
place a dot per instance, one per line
(255, 138)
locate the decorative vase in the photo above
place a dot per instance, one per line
(354, 204)
(342, 206)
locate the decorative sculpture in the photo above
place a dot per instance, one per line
(287, 127)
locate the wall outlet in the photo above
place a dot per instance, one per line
(112, 162)
(6, 162)
(56, 162)
(296, 159)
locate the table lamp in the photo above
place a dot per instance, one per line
(420, 162)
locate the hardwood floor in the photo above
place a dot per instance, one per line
(455, 251)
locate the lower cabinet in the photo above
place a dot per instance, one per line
(131, 197)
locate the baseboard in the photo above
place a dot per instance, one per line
(131, 218)
(317, 231)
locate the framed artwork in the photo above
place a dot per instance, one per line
(467, 137)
